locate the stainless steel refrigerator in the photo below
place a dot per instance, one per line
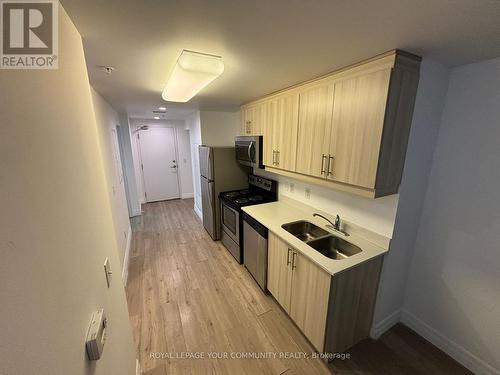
(219, 172)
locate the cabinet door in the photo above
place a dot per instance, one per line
(358, 119)
(309, 299)
(315, 120)
(268, 130)
(245, 121)
(285, 128)
(251, 119)
(279, 271)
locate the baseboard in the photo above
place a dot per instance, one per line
(198, 212)
(126, 257)
(454, 350)
(378, 329)
(137, 368)
(187, 195)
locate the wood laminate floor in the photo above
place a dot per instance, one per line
(191, 305)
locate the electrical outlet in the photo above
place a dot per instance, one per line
(292, 187)
(308, 193)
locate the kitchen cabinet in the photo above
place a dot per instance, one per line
(359, 106)
(280, 130)
(352, 129)
(333, 312)
(309, 298)
(252, 119)
(279, 272)
(315, 117)
(300, 287)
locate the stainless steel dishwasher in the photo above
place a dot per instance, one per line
(255, 249)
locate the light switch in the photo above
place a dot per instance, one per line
(107, 271)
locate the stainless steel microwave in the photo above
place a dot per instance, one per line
(249, 150)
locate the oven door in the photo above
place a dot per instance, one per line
(246, 151)
(231, 222)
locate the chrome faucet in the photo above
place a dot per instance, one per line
(335, 226)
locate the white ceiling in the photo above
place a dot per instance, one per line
(266, 44)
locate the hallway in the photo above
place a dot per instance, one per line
(188, 296)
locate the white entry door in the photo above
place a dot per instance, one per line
(159, 164)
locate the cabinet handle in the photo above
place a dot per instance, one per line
(323, 157)
(274, 157)
(278, 158)
(293, 260)
(288, 257)
(249, 127)
(330, 159)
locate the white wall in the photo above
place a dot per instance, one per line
(108, 127)
(183, 154)
(56, 227)
(185, 162)
(453, 293)
(134, 205)
(218, 129)
(374, 214)
(426, 121)
(194, 125)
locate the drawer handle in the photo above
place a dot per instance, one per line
(330, 163)
(323, 157)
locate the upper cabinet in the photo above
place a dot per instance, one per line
(359, 105)
(252, 119)
(280, 133)
(315, 126)
(348, 130)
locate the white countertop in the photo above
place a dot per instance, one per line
(274, 215)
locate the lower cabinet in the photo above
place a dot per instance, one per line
(279, 271)
(334, 313)
(300, 287)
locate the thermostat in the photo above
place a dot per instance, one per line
(96, 335)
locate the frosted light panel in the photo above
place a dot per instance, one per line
(192, 72)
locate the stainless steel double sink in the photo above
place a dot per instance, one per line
(322, 241)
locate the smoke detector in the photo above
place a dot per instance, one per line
(107, 69)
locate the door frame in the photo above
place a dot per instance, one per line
(139, 155)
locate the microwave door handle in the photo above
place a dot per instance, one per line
(250, 146)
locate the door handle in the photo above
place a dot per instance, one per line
(288, 257)
(323, 157)
(330, 159)
(250, 147)
(293, 260)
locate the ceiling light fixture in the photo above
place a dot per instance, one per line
(192, 72)
(162, 108)
(156, 118)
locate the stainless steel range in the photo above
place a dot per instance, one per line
(260, 190)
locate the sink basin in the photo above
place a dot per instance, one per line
(334, 247)
(304, 230)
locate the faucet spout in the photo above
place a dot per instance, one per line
(334, 225)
